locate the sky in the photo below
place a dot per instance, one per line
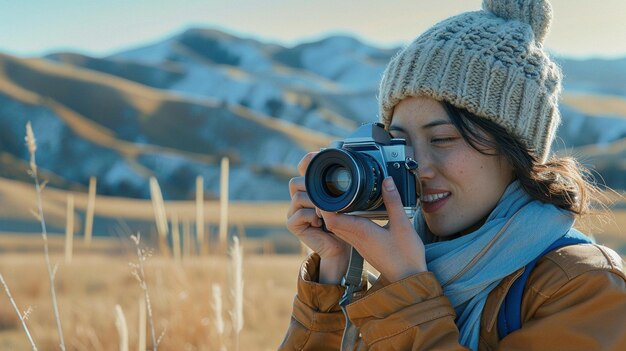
(581, 28)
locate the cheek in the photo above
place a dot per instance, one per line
(456, 165)
(483, 180)
(476, 178)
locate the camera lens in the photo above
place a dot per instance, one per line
(337, 180)
(340, 180)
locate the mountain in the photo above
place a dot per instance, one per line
(172, 109)
(598, 76)
(124, 132)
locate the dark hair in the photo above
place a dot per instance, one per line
(561, 181)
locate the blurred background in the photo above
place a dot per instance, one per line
(124, 91)
(217, 101)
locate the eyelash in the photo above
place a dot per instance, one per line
(433, 140)
(441, 140)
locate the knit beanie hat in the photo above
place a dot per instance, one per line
(489, 62)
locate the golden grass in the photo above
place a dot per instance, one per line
(160, 215)
(91, 207)
(69, 229)
(141, 325)
(176, 251)
(223, 228)
(122, 327)
(200, 208)
(22, 316)
(181, 298)
(237, 290)
(218, 320)
(32, 147)
(17, 199)
(182, 294)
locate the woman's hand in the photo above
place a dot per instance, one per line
(303, 220)
(395, 250)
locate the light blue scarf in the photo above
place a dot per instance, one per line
(517, 231)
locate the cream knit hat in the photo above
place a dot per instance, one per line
(489, 62)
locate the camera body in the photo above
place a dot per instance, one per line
(347, 176)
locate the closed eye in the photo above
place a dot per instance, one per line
(442, 140)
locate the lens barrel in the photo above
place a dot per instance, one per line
(339, 180)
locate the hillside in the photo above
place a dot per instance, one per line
(172, 109)
(597, 76)
(138, 131)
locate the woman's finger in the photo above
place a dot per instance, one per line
(296, 184)
(299, 200)
(302, 220)
(351, 229)
(304, 163)
(393, 204)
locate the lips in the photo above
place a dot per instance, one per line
(433, 199)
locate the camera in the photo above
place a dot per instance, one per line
(347, 176)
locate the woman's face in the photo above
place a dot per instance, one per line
(460, 186)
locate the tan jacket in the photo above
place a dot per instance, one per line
(575, 299)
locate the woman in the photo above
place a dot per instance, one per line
(476, 98)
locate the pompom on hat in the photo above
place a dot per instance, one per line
(490, 62)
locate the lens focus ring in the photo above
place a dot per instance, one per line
(340, 180)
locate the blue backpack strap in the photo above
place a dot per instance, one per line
(509, 316)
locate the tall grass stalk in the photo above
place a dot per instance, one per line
(268, 247)
(31, 143)
(186, 239)
(69, 229)
(200, 213)
(175, 238)
(138, 272)
(223, 202)
(91, 207)
(236, 254)
(122, 329)
(217, 309)
(241, 231)
(141, 343)
(159, 215)
(19, 314)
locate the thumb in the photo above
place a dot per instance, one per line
(393, 203)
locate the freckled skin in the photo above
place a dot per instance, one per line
(447, 163)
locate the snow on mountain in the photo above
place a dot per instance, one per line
(151, 54)
(600, 76)
(220, 95)
(344, 60)
(59, 149)
(157, 75)
(213, 81)
(579, 129)
(239, 71)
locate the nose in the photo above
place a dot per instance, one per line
(425, 169)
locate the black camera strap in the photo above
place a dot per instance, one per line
(353, 282)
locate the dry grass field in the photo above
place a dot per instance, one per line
(99, 278)
(181, 293)
(18, 198)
